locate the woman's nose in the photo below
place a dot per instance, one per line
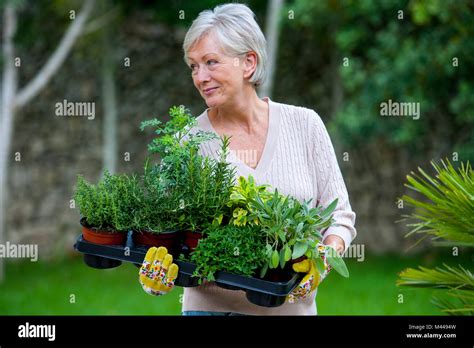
(202, 75)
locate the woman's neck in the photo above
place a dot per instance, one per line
(245, 113)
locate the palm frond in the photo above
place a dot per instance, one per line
(451, 277)
(459, 282)
(448, 211)
(462, 304)
(453, 307)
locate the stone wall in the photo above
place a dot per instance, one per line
(55, 149)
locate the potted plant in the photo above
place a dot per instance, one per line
(128, 198)
(235, 249)
(210, 184)
(99, 211)
(292, 228)
(193, 189)
(107, 211)
(152, 224)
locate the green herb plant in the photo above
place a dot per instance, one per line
(112, 203)
(156, 214)
(191, 189)
(241, 196)
(236, 249)
(292, 228)
(93, 202)
(210, 182)
(127, 199)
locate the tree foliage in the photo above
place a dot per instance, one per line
(406, 51)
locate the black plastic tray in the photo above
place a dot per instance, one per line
(258, 291)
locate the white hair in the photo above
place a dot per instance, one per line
(236, 30)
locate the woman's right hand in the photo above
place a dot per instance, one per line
(157, 273)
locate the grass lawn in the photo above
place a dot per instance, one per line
(371, 290)
(69, 287)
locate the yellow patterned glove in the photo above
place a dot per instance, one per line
(312, 278)
(157, 273)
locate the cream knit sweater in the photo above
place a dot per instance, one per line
(299, 160)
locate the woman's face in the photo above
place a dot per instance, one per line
(218, 77)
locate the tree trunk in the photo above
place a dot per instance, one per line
(110, 101)
(272, 33)
(57, 58)
(12, 101)
(9, 85)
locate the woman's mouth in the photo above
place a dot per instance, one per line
(209, 91)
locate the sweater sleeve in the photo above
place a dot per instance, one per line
(330, 183)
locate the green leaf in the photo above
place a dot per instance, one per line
(268, 250)
(449, 205)
(328, 211)
(282, 257)
(337, 263)
(287, 253)
(275, 259)
(450, 277)
(299, 227)
(263, 271)
(299, 249)
(210, 276)
(319, 264)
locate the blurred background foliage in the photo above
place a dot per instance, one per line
(411, 51)
(341, 58)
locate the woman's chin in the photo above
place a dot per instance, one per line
(213, 102)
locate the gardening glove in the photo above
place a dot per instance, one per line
(157, 273)
(312, 278)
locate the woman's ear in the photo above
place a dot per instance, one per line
(250, 64)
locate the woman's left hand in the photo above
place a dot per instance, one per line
(313, 278)
(336, 242)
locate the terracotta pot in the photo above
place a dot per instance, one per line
(102, 237)
(191, 239)
(168, 239)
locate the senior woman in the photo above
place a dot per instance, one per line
(282, 145)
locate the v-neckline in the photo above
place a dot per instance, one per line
(270, 141)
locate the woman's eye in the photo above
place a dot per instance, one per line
(192, 66)
(211, 62)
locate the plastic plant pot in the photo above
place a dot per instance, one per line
(169, 239)
(191, 239)
(277, 275)
(265, 300)
(100, 262)
(102, 237)
(185, 277)
(228, 287)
